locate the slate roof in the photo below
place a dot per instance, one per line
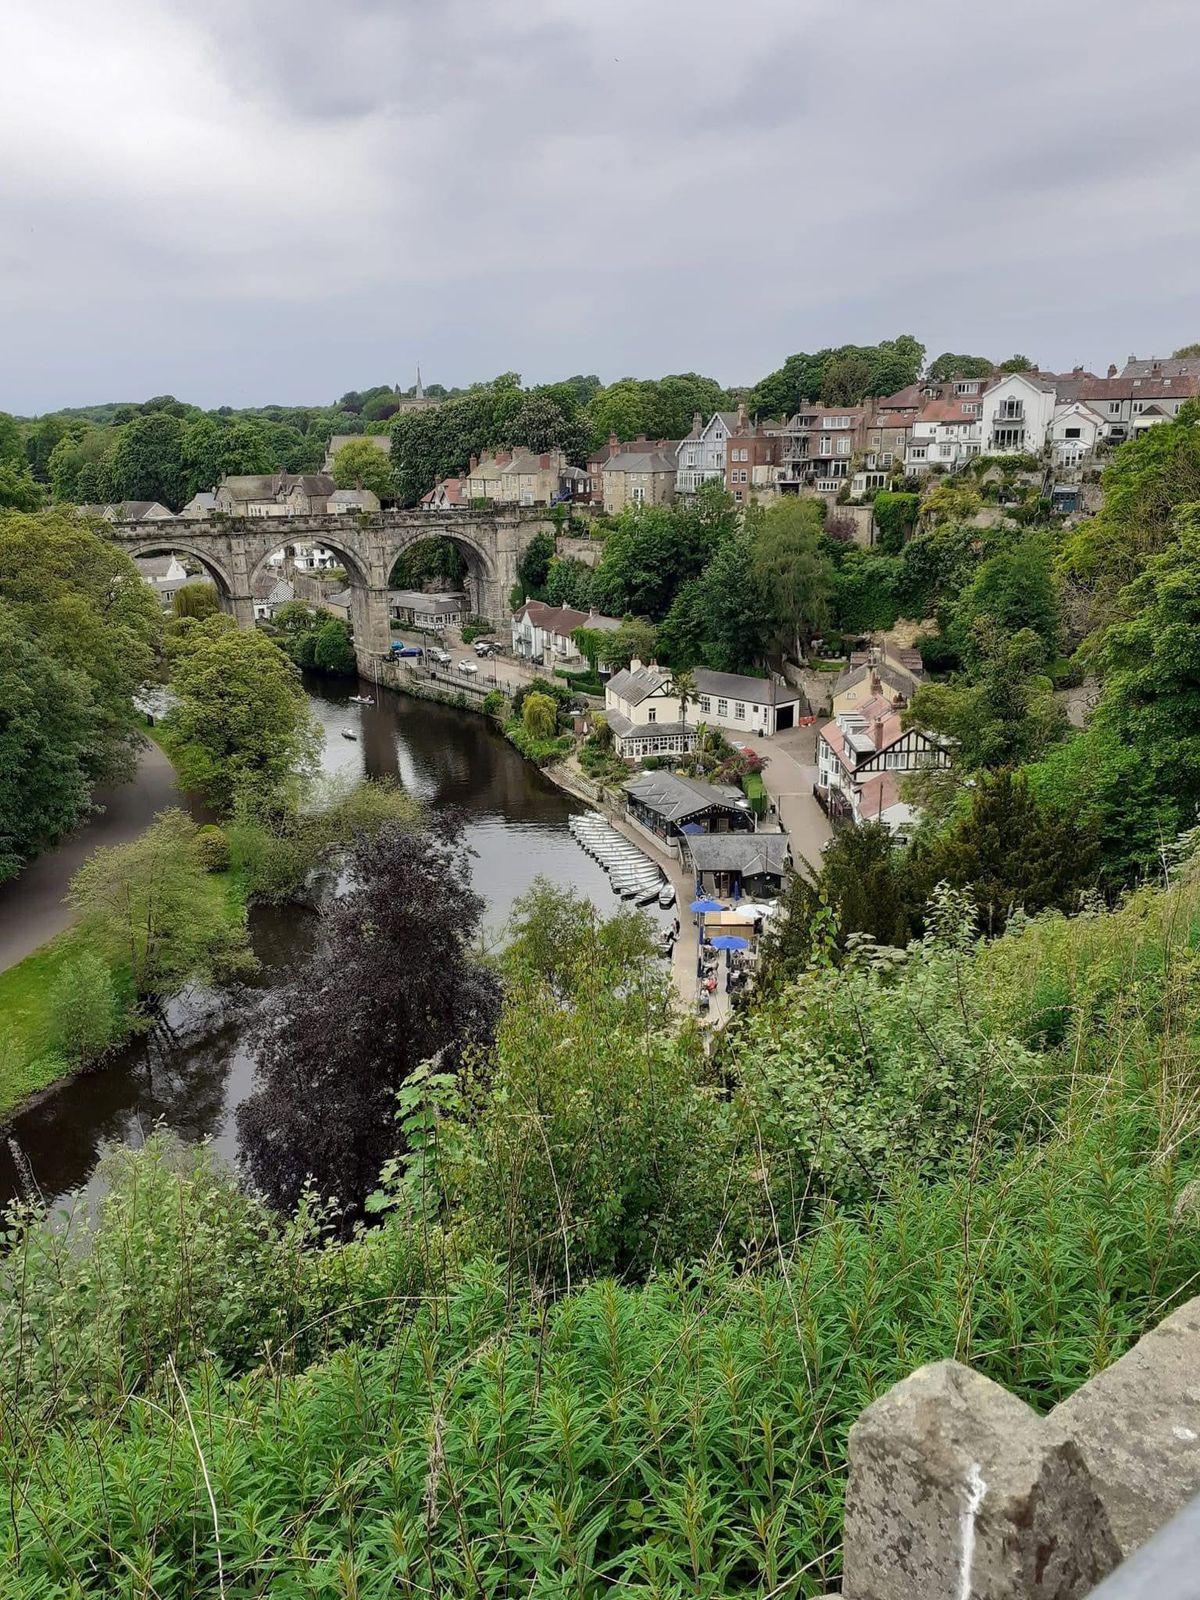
(641, 461)
(747, 853)
(625, 728)
(154, 568)
(1162, 367)
(637, 686)
(675, 798)
(735, 686)
(141, 511)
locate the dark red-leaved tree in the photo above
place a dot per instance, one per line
(392, 982)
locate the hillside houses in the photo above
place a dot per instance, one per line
(641, 472)
(862, 754)
(275, 494)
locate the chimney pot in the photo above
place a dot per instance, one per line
(1112, 369)
(543, 460)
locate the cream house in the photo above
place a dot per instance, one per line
(518, 477)
(862, 746)
(648, 717)
(275, 494)
(542, 633)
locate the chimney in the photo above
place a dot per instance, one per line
(474, 464)
(697, 424)
(741, 416)
(641, 439)
(1112, 369)
(1077, 372)
(635, 665)
(544, 460)
(614, 446)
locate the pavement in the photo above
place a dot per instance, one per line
(789, 776)
(32, 906)
(494, 672)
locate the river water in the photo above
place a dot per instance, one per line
(192, 1072)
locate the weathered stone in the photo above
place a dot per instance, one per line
(957, 1492)
(1137, 1425)
(1187, 1203)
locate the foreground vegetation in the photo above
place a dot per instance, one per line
(621, 1303)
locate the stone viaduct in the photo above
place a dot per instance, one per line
(235, 550)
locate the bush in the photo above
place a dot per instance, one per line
(938, 653)
(212, 848)
(539, 716)
(582, 682)
(86, 1019)
(895, 517)
(493, 703)
(474, 628)
(542, 752)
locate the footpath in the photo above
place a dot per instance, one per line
(33, 909)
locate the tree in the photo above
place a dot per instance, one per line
(534, 566)
(47, 746)
(949, 502)
(948, 365)
(148, 461)
(393, 983)
(684, 629)
(793, 570)
(1010, 851)
(683, 684)
(569, 583)
(896, 518)
(333, 651)
(1017, 364)
(540, 425)
(85, 603)
(847, 378)
(1151, 664)
(19, 489)
(198, 600)
(634, 640)
(1016, 590)
(40, 444)
(1006, 716)
(1186, 351)
(737, 611)
(360, 464)
(239, 728)
(149, 908)
(539, 716)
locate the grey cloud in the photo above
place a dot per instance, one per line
(283, 198)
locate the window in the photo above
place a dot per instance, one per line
(843, 445)
(691, 458)
(966, 388)
(652, 714)
(1114, 408)
(638, 496)
(973, 408)
(835, 422)
(705, 703)
(1139, 406)
(1073, 433)
(739, 711)
(826, 447)
(947, 449)
(737, 496)
(722, 708)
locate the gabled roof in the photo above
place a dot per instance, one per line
(559, 620)
(737, 686)
(747, 853)
(949, 410)
(642, 461)
(1162, 367)
(142, 511)
(674, 798)
(637, 684)
(1180, 387)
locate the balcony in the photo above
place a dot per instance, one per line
(1011, 411)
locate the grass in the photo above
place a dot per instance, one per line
(29, 1060)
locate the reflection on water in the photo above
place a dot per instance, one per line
(193, 1071)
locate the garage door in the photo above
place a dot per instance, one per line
(785, 717)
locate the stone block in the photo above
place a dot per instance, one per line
(958, 1492)
(1137, 1425)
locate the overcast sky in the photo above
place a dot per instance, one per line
(246, 201)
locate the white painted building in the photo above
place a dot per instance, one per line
(648, 717)
(1017, 412)
(1076, 432)
(701, 456)
(860, 747)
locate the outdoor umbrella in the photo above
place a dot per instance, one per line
(706, 905)
(751, 910)
(729, 941)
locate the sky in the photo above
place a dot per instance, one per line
(274, 201)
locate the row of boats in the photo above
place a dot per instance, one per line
(632, 873)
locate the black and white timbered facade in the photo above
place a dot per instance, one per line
(867, 744)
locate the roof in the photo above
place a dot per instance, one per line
(675, 798)
(747, 853)
(154, 568)
(877, 794)
(354, 497)
(342, 598)
(906, 399)
(625, 728)
(1162, 367)
(450, 488)
(432, 604)
(142, 511)
(205, 500)
(736, 686)
(270, 485)
(559, 620)
(636, 685)
(897, 678)
(1181, 387)
(950, 410)
(601, 623)
(641, 461)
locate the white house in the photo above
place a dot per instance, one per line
(542, 633)
(946, 431)
(412, 607)
(701, 455)
(648, 717)
(343, 500)
(166, 575)
(1076, 432)
(862, 746)
(267, 603)
(1017, 412)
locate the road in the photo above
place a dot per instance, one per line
(32, 908)
(789, 776)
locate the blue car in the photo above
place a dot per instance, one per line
(407, 650)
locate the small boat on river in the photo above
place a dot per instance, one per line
(666, 896)
(362, 700)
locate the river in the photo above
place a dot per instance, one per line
(192, 1073)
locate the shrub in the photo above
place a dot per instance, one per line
(212, 848)
(84, 1004)
(493, 703)
(539, 716)
(895, 517)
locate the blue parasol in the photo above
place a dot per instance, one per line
(729, 941)
(706, 905)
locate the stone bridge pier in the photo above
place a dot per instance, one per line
(235, 552)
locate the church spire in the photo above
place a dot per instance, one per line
(420, 387)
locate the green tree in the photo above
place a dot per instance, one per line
(239, 728)
(333, 650)
(896, 518)
(684, 630)
(534, 566)
(1016, 590)
(539, 716)
(198, 600)
(47, 745)
(19, 489)
(360, 464)
(948, 365)
(793, 570)
(40, 444)
(1006, 715)
(683, 684)
(569, 583)
(618, 408)
(634, 640)
(1186, 351)
(1017, 364)
(148, 460)
(84, 1006)
(12, 450)
(737, 610)
(847, 378)
(1013, 851)
(149, 909)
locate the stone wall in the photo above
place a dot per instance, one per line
(588, 551)
(958, 1490)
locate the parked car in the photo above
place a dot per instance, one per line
(485, 647)
(442, 657)
(407, 650)
(467, 666)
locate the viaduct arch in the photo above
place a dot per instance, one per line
(234, 551)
